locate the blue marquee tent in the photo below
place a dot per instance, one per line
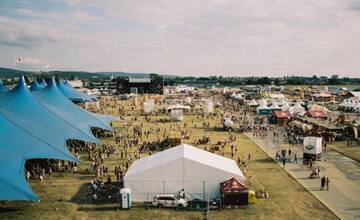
(73, 94)
(43, 83)
(17, 146)
(35, 86)
(28, 130)
(53, 99)
(20, 105)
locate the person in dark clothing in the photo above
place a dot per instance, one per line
(327, 183)
(323, 180)
(284, 161)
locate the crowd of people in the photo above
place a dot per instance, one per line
(131, 144)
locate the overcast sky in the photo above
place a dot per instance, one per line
(185, 37)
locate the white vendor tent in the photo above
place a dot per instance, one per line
(149, 105)
(177, 114)
(253, 103)
(285, 106)
(208, 106)
(274, 105)
(228, 122)
(298, 109)
(196, 171)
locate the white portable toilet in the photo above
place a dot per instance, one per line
(125, 198)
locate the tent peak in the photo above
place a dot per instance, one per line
(22, 82)
(43, 83)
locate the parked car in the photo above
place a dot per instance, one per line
(169, 200)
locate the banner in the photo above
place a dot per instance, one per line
(312, 145)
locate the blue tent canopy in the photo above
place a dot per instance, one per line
(73, 94)
(53, 99)
(22, 107)
(17, 146)
(43, 83)
(34, 126)
(3, 88)
(107, 119)
(35, 86)
(29, 130)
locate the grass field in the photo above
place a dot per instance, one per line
(352, 151)
(65, 196)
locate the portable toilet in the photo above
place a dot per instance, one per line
(252, 197)
(125, 198)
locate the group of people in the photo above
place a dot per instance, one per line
(324, 182)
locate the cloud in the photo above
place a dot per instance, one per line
(186, 37)
(31, 63)
(24, 34)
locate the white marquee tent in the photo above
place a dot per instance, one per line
(208, 106)
(298, 109)
(196, 171)
(253, 103)
(149, 105)
(285, 107)
(177, 114)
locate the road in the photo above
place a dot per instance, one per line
(343, 198)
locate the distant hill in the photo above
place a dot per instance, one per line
(11, 73)
(8, 73)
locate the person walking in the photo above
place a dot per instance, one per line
(327, 183)
(284, 161)
(323, 180)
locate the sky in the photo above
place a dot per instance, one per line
(183, 37)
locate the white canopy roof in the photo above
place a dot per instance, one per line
(274, 105)
(285, 106)
(263, 104)
(353, 102)
(298, 109)
(355, 93)
(253, 103)
(183, 166)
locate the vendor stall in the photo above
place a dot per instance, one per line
(234, 192)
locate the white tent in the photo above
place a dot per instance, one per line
(274, 105)
(228, 122)
(209, 106)
(285, 107)
(196, 171)
(177, 114)
(148, 105)
(262, 107)
(263, 103)
(253, 103)
(298, 109)
(188, 100)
